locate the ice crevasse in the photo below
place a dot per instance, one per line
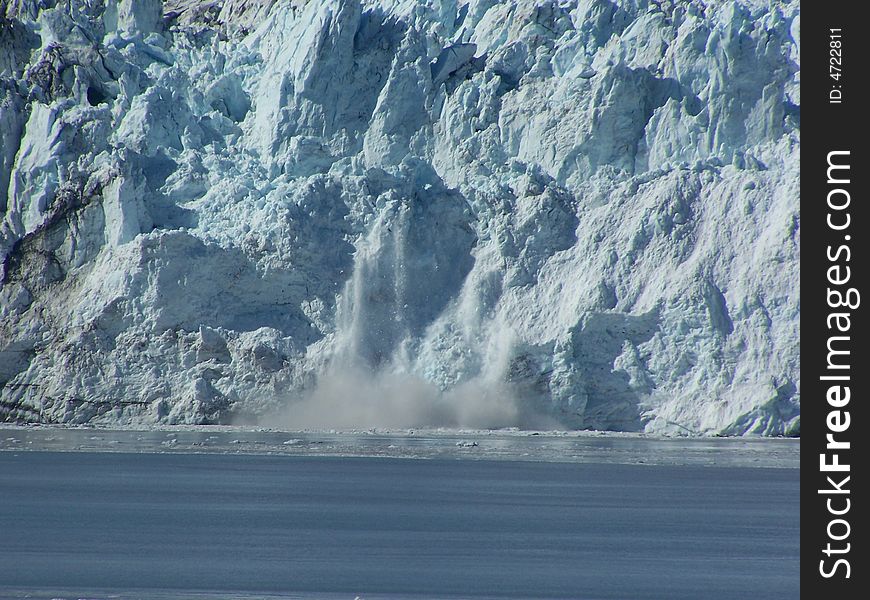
(585, 210)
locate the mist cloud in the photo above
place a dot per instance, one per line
(356, 398)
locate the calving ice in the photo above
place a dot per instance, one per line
(586, 208)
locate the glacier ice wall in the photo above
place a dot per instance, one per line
(584, 209)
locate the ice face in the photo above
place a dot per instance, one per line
(587, 208)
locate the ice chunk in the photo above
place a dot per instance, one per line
(450, 60)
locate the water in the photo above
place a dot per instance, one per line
(511, 444)
(252, 525)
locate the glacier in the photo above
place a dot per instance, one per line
(553, 213)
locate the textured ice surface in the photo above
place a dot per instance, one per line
(583, 210)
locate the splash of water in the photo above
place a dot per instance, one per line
(371, 381)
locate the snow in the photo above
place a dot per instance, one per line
(587, 210)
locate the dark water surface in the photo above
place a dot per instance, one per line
(173, 525)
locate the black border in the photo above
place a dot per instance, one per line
(831, 127)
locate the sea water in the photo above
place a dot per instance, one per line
(469, 514)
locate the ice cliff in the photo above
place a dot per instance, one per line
(582, 211)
